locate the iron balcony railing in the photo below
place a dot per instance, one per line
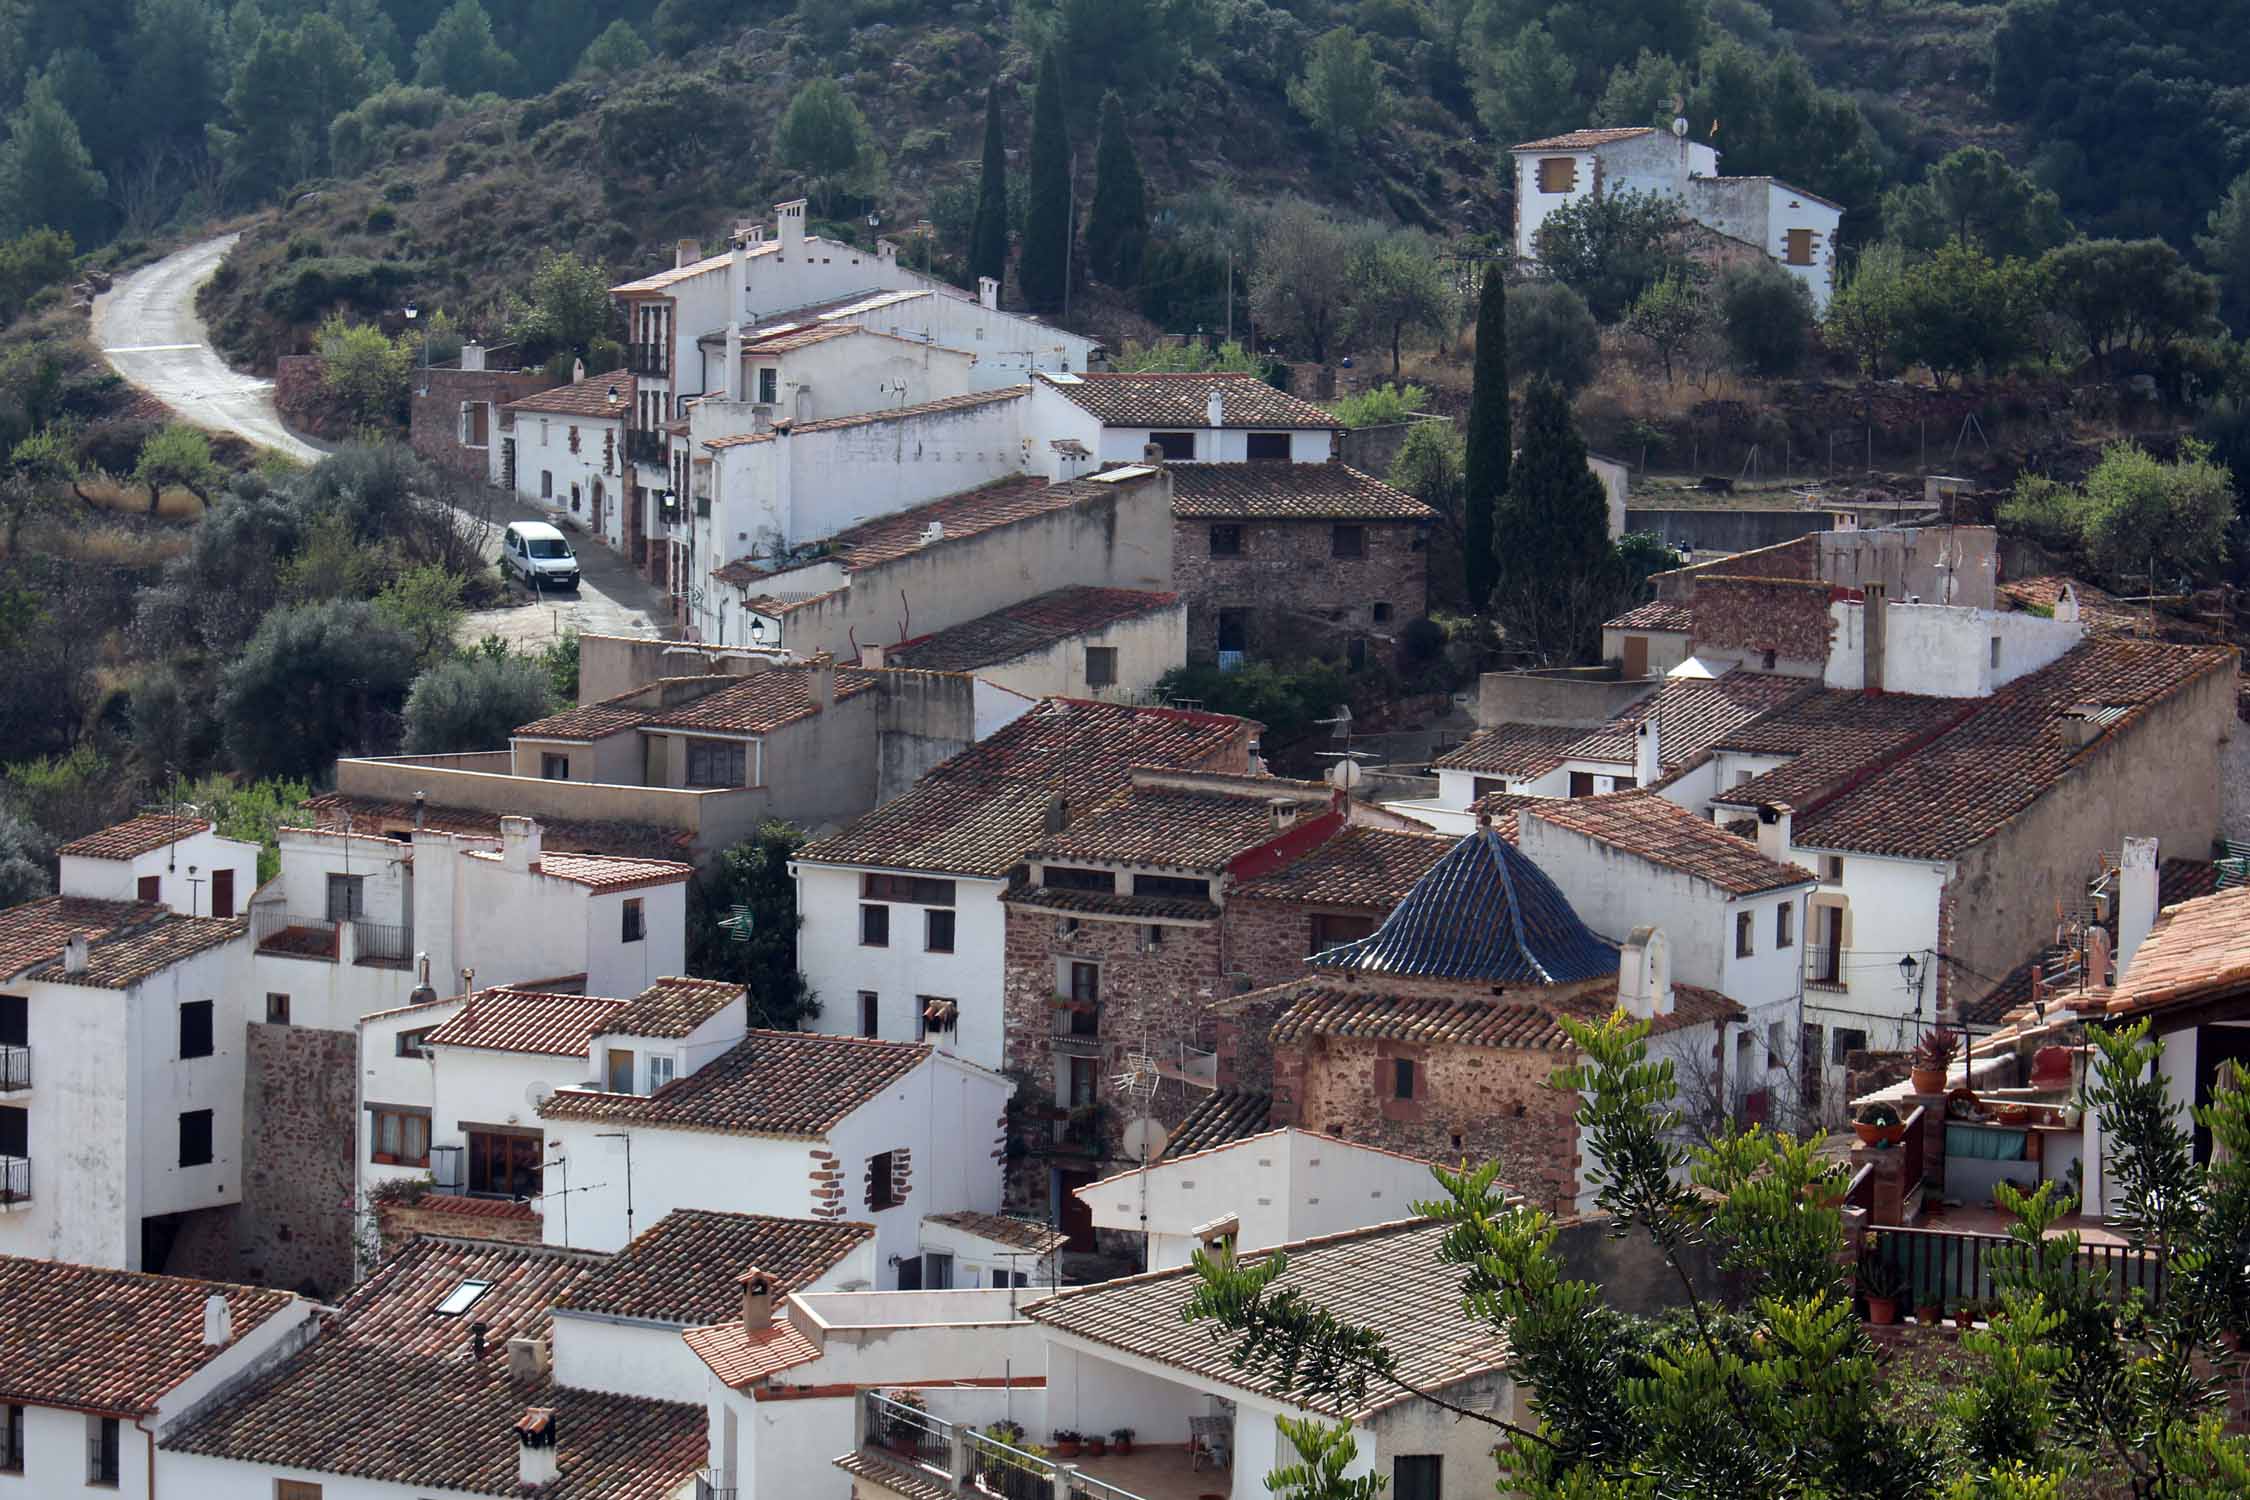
(976, 1464)
(382, 942)
(715, 1484)
(649, 359)
(15, 1179)
(645, 448)
(1951, 1267)
(1824, 967)
(1077, 1027)
(15, 1069)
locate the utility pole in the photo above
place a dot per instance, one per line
(1230, 294)
(1070, 233)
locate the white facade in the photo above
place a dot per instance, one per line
(1066, 441)
(571, 466)
(862, 370)
(201, 875)
(1143, 648)
(906, 973)
(1946, 651)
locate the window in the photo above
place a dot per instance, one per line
(546, 476)
(937, 932)
(1380, 612)
(410, 1043)
(635, 921)
(222, 893)
(1268, 448)
(195, 1029)
(769, 385)
(662, 1069)
(1065, 878)
(1832, 869)
(347, 897)
(1785, 925)
(1582, 783)
(15, 1132)
(1797, 247)
(1745, 939)
(1347, 541)
(1329, 929)
(1776, 1032)
(1558, 174)
(874, 927)
(461, 1298)
(398, 1137)
(554, 767)
(149, 888)
(1843, 1041)
(295, 1489)
(1623, 783)
(1766, 661)
(1101, 666)
(1178, 887)
(1226, 540)
(1402, 1078)
(1085, 984)
(1234, 630)
(937, 1271)
(1177, 447)
(870, 1014)
(915, 888)
(620, 1071)
(195, 1138)
(101, 1451)
(503, 1164)
(882, 1183)
(717, 763)
(15, 1021)
(1153, 934)
(1416, 1476)
(11, 1440)
(1996, 653)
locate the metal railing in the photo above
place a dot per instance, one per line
(1952, 1266)
(909, 1432)
(293, 932)
(382, 942)
(15, 1068)
(15, 1179)
(649, 359)
(715, 1484)
(974, 1463)
(645, 448)
(1007, 1471)
(1077, 1027)
(1824, 967)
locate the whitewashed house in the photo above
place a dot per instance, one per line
(564, 450)
(99, 1364)
(1079, 642)
(1794, 228)
(164, 860)
(1076, 423)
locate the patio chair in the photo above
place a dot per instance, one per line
(1210, 1440)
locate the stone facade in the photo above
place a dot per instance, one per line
(1288, 581)
(471, 1218)
(434, 416)
(1786, 617)
(301, 395)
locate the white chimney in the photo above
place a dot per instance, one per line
(789, 223)
(527, 1359)
(74, 953)
(535, 1448)
(1647, 757)
(886, 251)
(758, 1294)
(1644, 974)
(686, 253)
(1215, 407)
(737, 295)
(472, 356)
(1281, 812)
(823, 669)
(1773, 831)
(988, 292)
(519, 843)
(577, 371)
(871, 655)
(218, 1322)
(2136, 899)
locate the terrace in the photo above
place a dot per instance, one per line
(981, 1462)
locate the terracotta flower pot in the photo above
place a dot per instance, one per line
(1066, 1450)
(1878, 1135)
(1930, 1315)
(1928, 1080)
(1882, 1311)
(1124, 1447)
(1964, 1318)
(1097, 1447)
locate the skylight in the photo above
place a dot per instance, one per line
(461, 1298)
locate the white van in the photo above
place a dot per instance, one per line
(538, 554)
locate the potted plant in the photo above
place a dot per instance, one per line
(1882, 1286)
(1879, 1125)
(1123, 1438)
(903, 1433)
(1097, 1444)
(1932, 1055)
(1066, 1443)
(1929, 1307)
(1965, 1314)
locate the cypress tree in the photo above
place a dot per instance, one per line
(1557, 571)
(988, 235)
(1117, 225)
(1485, 474)
(1042, 272)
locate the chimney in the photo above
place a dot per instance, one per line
(577, 371)
(744, 229)
(1874, 630)
(1151, 454)
(423, 992)
(477, 1331)
(74, 953)
(758, 1294)
(2136, 899)
(988, 292)
(218, 1322)
(823, 669)
(1648, 759)
(1281, 812)
(761, 419)
(789, 224)
(519, 843)
(1774, 820)
(421, 809)
(2079, 725)
(527, 1360)
(872, 655)
(686, 253)
(738, 295)
(472, 356)
(1215, 407)
(1058, 813)
(535, 1448)
(1644, 974)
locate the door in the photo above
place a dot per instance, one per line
(599, 496)
(1636, 656)
(1073, 1214)
(222, 893)
(2215, 1046)
(620, 1070)
(151, 888)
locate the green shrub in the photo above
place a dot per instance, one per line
(1552, 333)
(306, 287)
(1380, 405)
(1767, 316)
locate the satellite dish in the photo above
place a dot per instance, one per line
(1679, 126)
(1144, 1139)
(538, 1093)
(1345, 773)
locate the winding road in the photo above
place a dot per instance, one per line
(147, 328)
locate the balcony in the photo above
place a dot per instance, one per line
(715, 1484)
(645, 448)
(1077, 1028)
(15, 1182)
(653, 360)
(353, 940)
(1825, 968)
(15, 1069)
(982, 1464)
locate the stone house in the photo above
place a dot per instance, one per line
(453, 415)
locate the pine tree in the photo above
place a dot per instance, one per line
(988, 234)
(47, 177)
(1555, 575)
(1044, 272)
(1117, 224)
(1489, 440)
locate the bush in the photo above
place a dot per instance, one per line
(1285, 698)
(305, 288)
(475, 703)
(1552, 333)
(1767, 316)
(317, 681)
(1380, 405)
(2135, 516)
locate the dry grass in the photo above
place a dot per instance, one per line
(108, 545)
(132, 499)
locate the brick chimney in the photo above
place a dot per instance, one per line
(2136, 899)
(536, 1438)
(1874, 631)
(519, 843)
(1774, 820)
(759, 1293)
(1644, 974)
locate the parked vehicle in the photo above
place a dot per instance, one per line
(538, 554)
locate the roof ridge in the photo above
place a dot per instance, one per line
(1169, 1273)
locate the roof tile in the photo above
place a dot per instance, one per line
(938, 407)
(1368, 867)
(1288, 492)
(1646, 824)
(1021, 629)
(1220, 1116)
(135, 836)
(1175, 828)
(684, 1268)
(1021, 1234)
(507, 1020)
(745, 1358)
(128, 940)
(1320, 1007)
(584, 398)
(1657, 614)
(786, 1083)
(2197, 950)
(1486, 913)
(672, 1007)
(1170, 399)
(1583, 140)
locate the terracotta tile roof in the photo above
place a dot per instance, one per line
(1952, 793)
(787, 1083)
(1109, 904)
(1829, 736)
(109, 1341)
(1469, 1019)
(1169, 399)
(129, 940)
(1366, 867)
(762, 703)
(135, 836)
(451, 1206)
(980, 812)
(939, 407)
(744, 1358)
(608, 872)
(672, 1007)
(1486, 913)
(591, 836)
(790, 340)
(969, 513)
(1499, 810)
(1522, 750)
(1387, 1277)
(1019, 1234)
(1288, 492)
(506, 1020)
(1692, 715)
(671, 276)
(912, 1482)
(2198, 950)
(1221, 1116)
(584, 398)
(1172, 828)
(1657, 614)
(1582, 140)
(393, 1390)
(2180, 880)
(684, 1268)
(1645, 824)
(587, 722)
(1020, 629)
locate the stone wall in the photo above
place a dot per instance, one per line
(1784, 616)
(301, 396)
(434, 413)
(1300, 596)
(462, 1217)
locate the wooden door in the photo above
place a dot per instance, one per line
(222, 893)
(1636, 656)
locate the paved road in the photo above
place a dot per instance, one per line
(146, 326)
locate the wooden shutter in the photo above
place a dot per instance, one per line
(1558, 174)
